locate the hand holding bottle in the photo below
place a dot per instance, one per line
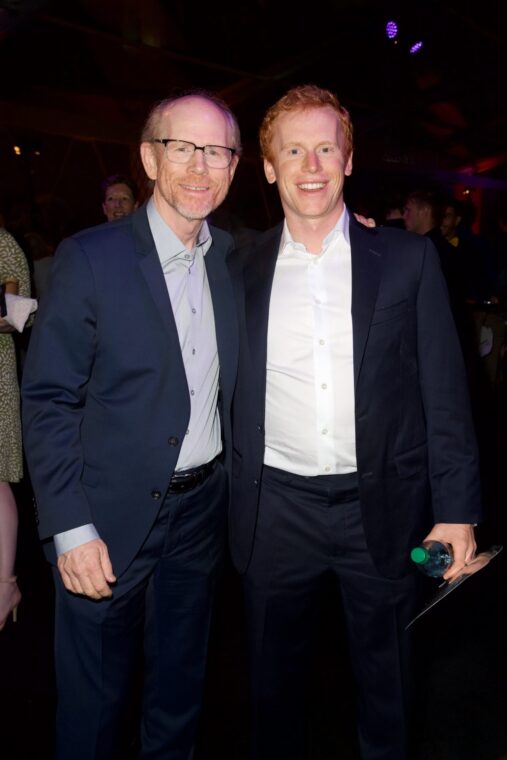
(432, 558)
(460, 538)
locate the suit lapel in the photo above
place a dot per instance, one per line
(224, 310)
(221, 294)
(258, 281)
(151, 269)
(368, 254)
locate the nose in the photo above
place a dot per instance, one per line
(198, 163)
(311, 162)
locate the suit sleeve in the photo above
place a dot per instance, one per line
(452, 447)
(56, 374)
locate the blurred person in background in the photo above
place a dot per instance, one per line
(119, 196)
(14, 279)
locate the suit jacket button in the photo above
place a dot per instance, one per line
(256, 482)
(156, 494)
(173, 441)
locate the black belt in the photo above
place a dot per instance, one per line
(185, 480)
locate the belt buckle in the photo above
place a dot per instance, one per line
(182, 483)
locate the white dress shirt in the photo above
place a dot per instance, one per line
(310, 421)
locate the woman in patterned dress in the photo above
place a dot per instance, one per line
(14, 275)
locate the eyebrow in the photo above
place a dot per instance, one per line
(301, 145)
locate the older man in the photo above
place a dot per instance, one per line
(352, 432)
(127, 389)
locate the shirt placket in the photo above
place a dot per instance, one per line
(322, 366)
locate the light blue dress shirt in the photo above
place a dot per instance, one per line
(187, 284)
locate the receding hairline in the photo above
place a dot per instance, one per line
(161, 108)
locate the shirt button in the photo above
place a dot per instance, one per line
(193, 351)
(327, 468)
(194, 311)
(324, 386)
(173, 441)
(192, 393)
(156, 495)
(322, 342)
(324, 431)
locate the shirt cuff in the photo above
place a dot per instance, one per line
(69, 539)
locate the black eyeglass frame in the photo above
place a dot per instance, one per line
(165, 140)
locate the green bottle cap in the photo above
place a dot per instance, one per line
(419, 555)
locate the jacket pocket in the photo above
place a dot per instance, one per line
(387, 313)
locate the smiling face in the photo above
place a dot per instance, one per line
(307, 162)
(118, 202)
(185, 194)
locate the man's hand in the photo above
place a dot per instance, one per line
(368, 222)
(87, 570)
(462, 539)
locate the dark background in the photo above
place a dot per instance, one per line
(79, 77)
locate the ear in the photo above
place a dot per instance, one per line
(104, 209)
(269, 171)
(232, 167)
(149, 159)
(348, 165)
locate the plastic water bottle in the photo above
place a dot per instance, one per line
(432, 557)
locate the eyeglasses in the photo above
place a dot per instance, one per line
(181, 151)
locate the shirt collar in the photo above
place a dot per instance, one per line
(341, 227)
(169, 246)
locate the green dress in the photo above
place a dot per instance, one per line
(12, 265)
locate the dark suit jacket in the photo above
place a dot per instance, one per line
(416, 450)
(105, 397)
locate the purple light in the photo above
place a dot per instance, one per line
(416, 47)
(391, 29)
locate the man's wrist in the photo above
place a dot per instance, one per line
(70, 539)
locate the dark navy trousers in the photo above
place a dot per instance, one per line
(310, 528)
(158, 620)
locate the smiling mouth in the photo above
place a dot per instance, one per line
(196, 188)
(311, 186)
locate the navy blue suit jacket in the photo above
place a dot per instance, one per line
(105, 397)
(415, 444)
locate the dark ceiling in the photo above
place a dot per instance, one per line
(87, 71)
